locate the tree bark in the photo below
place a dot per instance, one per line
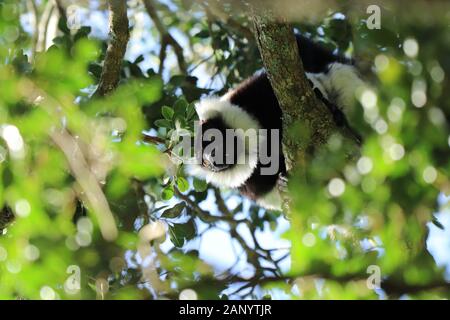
(299, 105)
(117, 46)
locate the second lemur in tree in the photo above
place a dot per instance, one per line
(253, 105)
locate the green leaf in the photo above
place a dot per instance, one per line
(95, 69)
(180, 233)
(190, 110)
(200, 185)
(139, 59)
(83, 32)
(180, 107)
(167, 112)
(182, 184)
(174, 212)
(167, 193)
(437, 223)
(62, 26)
(141, 161)
(163, 123)
(203, 34)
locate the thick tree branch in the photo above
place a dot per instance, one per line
(279, 52)
(87, 181)
(61, 9)
(166, 37)
(115, 53)
(214, 11)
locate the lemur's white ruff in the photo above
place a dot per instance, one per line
(338, 85)
(235, 118)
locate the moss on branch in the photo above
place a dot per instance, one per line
(119, 36)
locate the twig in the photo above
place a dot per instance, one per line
(166, 37)
(43, 26)
(87, 181)
(162, 56)
(200, 63)
(119, 36)
(392, 287)
(152, 139)
(32, 7)
(221, 203)
(61, 10)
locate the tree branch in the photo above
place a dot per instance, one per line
(61, 9)
(32, 8)
(119, 34)
(87, 181)
(299, 105)
(43, 26)
(166, 37)
(214, 11)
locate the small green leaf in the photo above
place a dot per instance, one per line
(167, 193)
(437, 223)
(62, 25)
(174, 212)
(190, 110)
(139, 59)
(176, 240)
(167, 112)
(180, 107)
(202, 34)
(200, 185)
(180, 233)
(163, 123)
(182, 184)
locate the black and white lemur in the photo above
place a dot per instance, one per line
(253, 105)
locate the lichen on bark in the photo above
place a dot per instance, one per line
(119, 36)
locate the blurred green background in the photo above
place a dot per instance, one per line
(92, 210)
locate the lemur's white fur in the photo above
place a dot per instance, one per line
(338, 85)
(271, 200)
(235, 118)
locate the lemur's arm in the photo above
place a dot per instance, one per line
(316, 58)
(339, 117)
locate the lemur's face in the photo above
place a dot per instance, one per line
(213, 159)
(225, 159)
(215, 153)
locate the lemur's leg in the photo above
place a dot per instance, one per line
(339, 117)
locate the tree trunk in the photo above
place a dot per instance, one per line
(119, 35)
(301, 109)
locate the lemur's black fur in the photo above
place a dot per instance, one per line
(256, 97)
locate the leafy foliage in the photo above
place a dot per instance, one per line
(96, 202)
